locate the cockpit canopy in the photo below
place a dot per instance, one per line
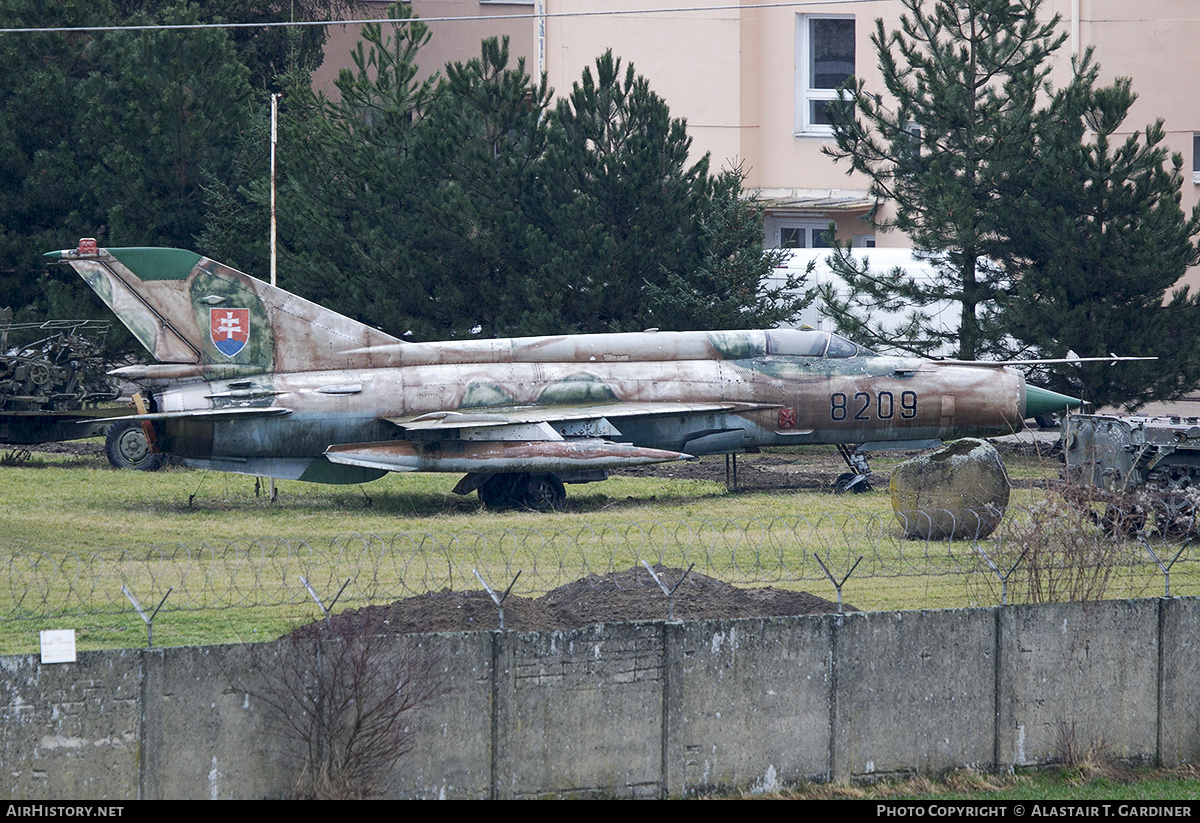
(812, 343)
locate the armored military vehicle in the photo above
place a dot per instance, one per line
(1138, 466)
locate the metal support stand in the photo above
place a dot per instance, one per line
(1166, 568)
(670, 593)
(1003, 577)
(192, 496)
(836, 584)
(731, 462)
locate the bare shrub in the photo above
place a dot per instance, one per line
(345, 698)
(1061, 551)
(1084, 760)
(1069, 749)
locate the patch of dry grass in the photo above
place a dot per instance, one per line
(958, 782)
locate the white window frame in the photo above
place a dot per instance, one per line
(1196, 157)
(805, 95)
(809, 226)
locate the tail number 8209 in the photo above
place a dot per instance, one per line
(862, 404)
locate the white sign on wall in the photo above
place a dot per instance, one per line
(58, 646)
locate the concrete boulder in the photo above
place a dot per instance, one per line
(958, 492)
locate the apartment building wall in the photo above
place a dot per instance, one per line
(740, 77)
(451, 40)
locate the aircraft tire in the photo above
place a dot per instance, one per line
(127, 448)
(493, 492)
(842, 484)
(545, 493)
(503, 491)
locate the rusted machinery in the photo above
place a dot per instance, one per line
(1138, 467)
(60, 371)
(50, 387)
(52, 382)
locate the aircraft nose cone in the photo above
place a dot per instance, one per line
(1039, 401)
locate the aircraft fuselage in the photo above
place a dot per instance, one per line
(789, 399)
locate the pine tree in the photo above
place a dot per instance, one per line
(268, 52)
(727, 288)
(952, 134)
(346, 204)
(46, 201)
(162, 106)
(1100, 242)
(470, 208)
(644, 237)
(481, 240)
(626, 197)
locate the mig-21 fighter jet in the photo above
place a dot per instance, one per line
(253, 379)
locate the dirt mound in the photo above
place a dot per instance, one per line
(445, 611)
(774, 602)
(611, 598)
(632, 595)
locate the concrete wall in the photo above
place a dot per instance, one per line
(646, 709)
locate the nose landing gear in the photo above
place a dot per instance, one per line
(855, 481)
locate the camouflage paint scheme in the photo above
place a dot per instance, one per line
(313, 395)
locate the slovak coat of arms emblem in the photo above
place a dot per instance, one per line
(229, 329)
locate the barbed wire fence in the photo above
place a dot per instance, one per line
(1037, 553)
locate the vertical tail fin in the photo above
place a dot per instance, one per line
(185, 308)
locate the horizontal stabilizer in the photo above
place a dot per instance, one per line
(540, 457)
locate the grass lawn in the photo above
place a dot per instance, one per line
(76, 531)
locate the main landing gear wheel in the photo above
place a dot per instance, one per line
(538, 492)
(127, 447)
(545, 493)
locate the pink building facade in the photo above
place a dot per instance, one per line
(751, 81)
(457, 28)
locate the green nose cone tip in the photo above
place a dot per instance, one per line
(1040, 401)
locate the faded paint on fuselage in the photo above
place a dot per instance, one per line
(307, 379)
(873, 402)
